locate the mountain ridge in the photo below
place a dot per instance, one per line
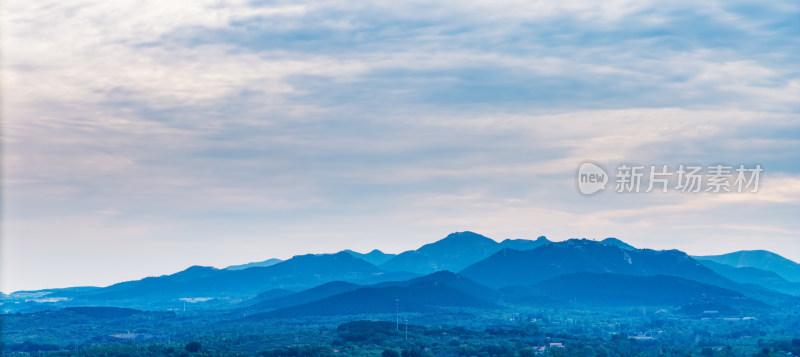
(454, 252)
(488, 265)
(511, 267)
(760, 259)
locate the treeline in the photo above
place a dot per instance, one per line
(615, 347)
(389, 339)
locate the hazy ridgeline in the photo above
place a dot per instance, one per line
(463, 295)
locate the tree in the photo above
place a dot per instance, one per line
(193, 346)
(390, 353)
(414, 352)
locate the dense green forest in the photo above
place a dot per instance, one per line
(471, 332)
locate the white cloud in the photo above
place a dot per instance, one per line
(328, 123)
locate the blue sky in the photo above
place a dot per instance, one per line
(143, 137)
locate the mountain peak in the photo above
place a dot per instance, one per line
(466, 235)
(354, 253)
(618, 243)
(524, 244)
(578, 242)
(460, 242)
(341, 257)
(194, 272)
(454, 252)
(198, 268)
(265, 263)
(375, 257)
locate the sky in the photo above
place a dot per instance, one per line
(143, 137)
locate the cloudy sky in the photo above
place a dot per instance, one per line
(142, 137)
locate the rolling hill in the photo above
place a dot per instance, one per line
(760, 259)
(268, 295)
(511, 267)
(750, 275)
(453, 280)
(305, 296)
(298, 273)
(621, 290)
(423, 296)
(375, 257)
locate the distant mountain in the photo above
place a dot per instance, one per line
(454, 252)
(760, 259)
(194, 272)
(419, 297)
(482, 265)
(388, 276)
(265, 263)
(511, 267)
(329, 264)
(618, 243)
(524, 244)
(446, 278)
(453, 280)
(375, 256)
(622, 290)
(305, 296)
(460, 250)
(300, 272)
(268, 295)
(749, 275)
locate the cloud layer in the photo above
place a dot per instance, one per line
(142, 137)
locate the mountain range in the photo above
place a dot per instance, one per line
(463, 270)
(297, 273)
(513, 267)
(305, 296)
(454, 252)
(615, 289)
(421, 296)
(759, 259)
(755, 276)
(375, 257)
